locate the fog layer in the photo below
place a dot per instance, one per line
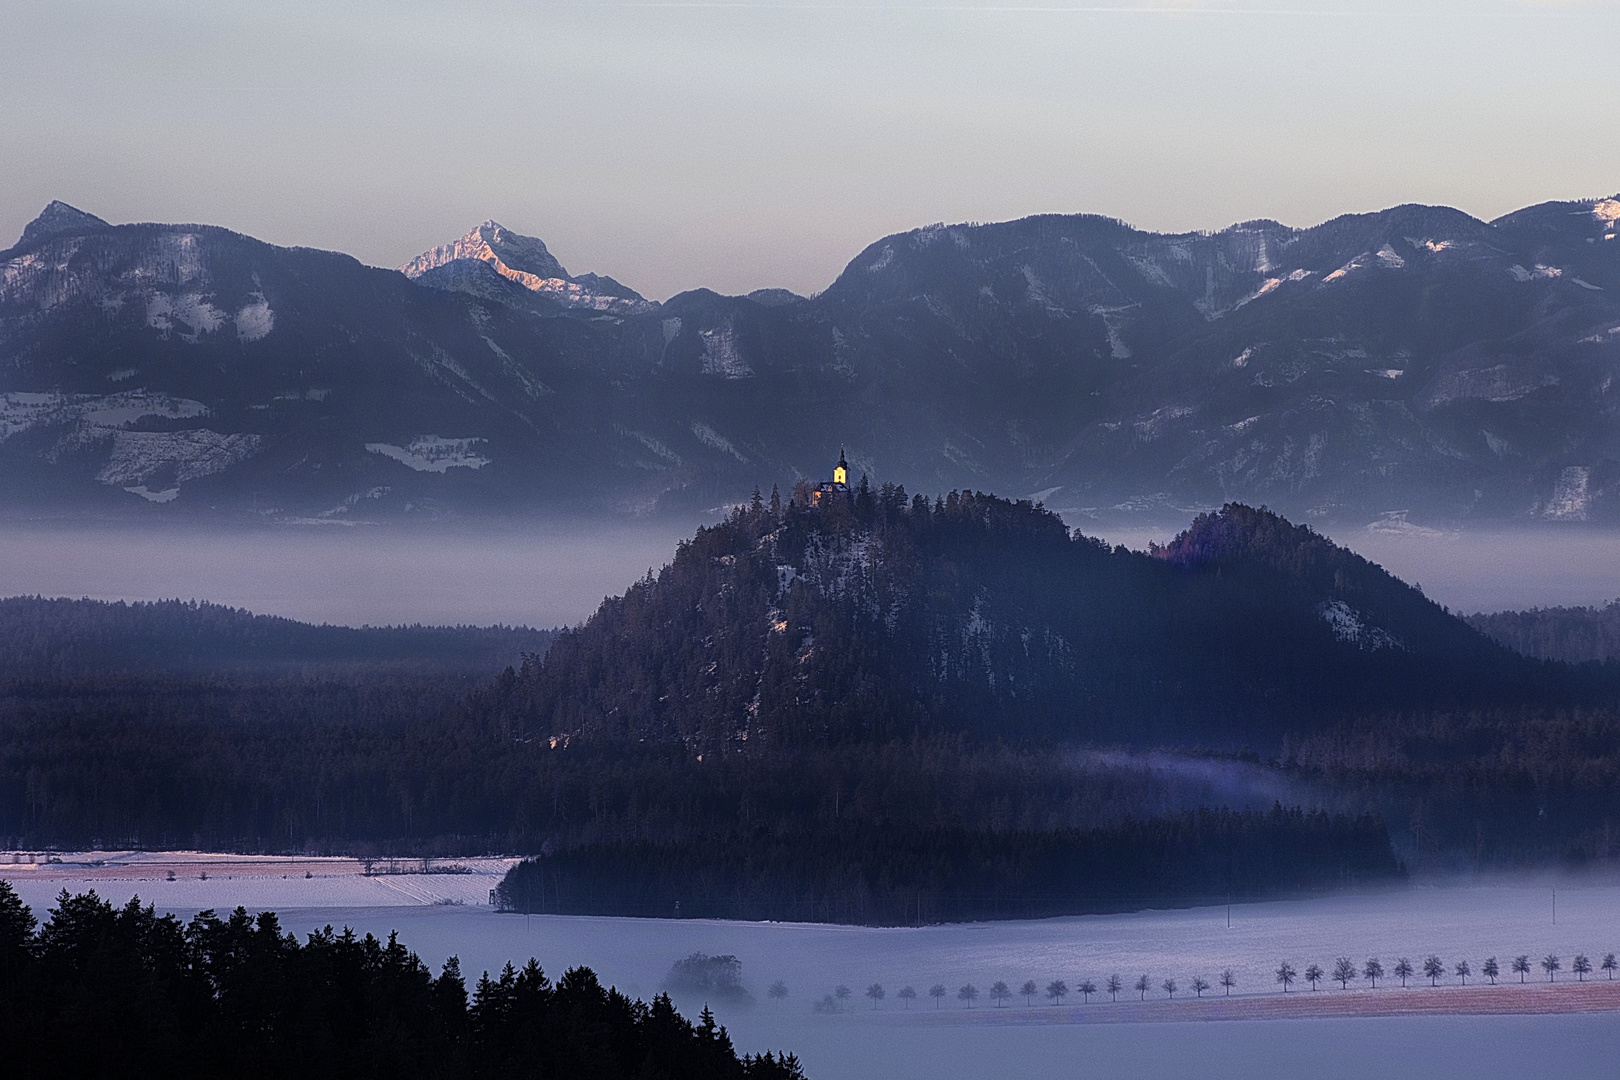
(556, 574)
(542, 576)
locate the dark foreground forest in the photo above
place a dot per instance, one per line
(886, 709)
(102, 992)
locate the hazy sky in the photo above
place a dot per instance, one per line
(747, 144)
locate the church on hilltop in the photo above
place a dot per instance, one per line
(838, 485)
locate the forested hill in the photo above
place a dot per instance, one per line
(887, 616)
(54, 638)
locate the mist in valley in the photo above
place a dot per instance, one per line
(555, 573)
(542, 574)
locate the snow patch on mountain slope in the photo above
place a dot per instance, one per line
(1151, 426)
(1347, 269)
(715, 441)
(434, 453)
(101, 412)
(1348, 626)
(192, 311)
(255, 321)
(1571, 496)
(721, 354)
(1113, 319)
(1271, 285)
(1497, 383)
(138, 456)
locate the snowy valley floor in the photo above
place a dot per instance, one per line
(1477, 1031)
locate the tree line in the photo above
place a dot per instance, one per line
(1344, 971)
(98, 991)
(886, 876)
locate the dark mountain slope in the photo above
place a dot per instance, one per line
(889, 617)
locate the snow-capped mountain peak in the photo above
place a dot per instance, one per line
(520, 258)
(523, 260)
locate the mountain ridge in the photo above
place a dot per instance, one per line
(1414, 359)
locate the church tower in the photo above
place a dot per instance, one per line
(838, 485)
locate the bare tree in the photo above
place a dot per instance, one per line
(1286, 975)
(1609, 965)
(1169, 988)
(842, 993)
(968, 994)
(1228, 980)
(1521, 967)
(999, 993)
(1344, 969)
(1433, 968)
(1403, 968)
(1115, 985)
(1314, 974)
(1199, 985)
(1551, 965)
(1142, 986)
(1373, 970)
(907, 994)
(937, 992)
(1463, 971)
(1029, 990)
(1490, 969)
(1087, 988)
(875, 992)
(1056, 991)
(778, 991)
(1581, 966)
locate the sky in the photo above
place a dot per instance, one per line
(739, 145)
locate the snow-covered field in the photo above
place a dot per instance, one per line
(188, 881)
(1503, 919)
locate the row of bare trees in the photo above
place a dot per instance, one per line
(1056, 992)
(1344, 972)
(1434, 969)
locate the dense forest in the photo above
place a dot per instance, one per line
(1573, 635)
(857, 873)
(887, 708)
(98, 991)
(54, 638)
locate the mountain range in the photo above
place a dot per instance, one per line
(1416, 361)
